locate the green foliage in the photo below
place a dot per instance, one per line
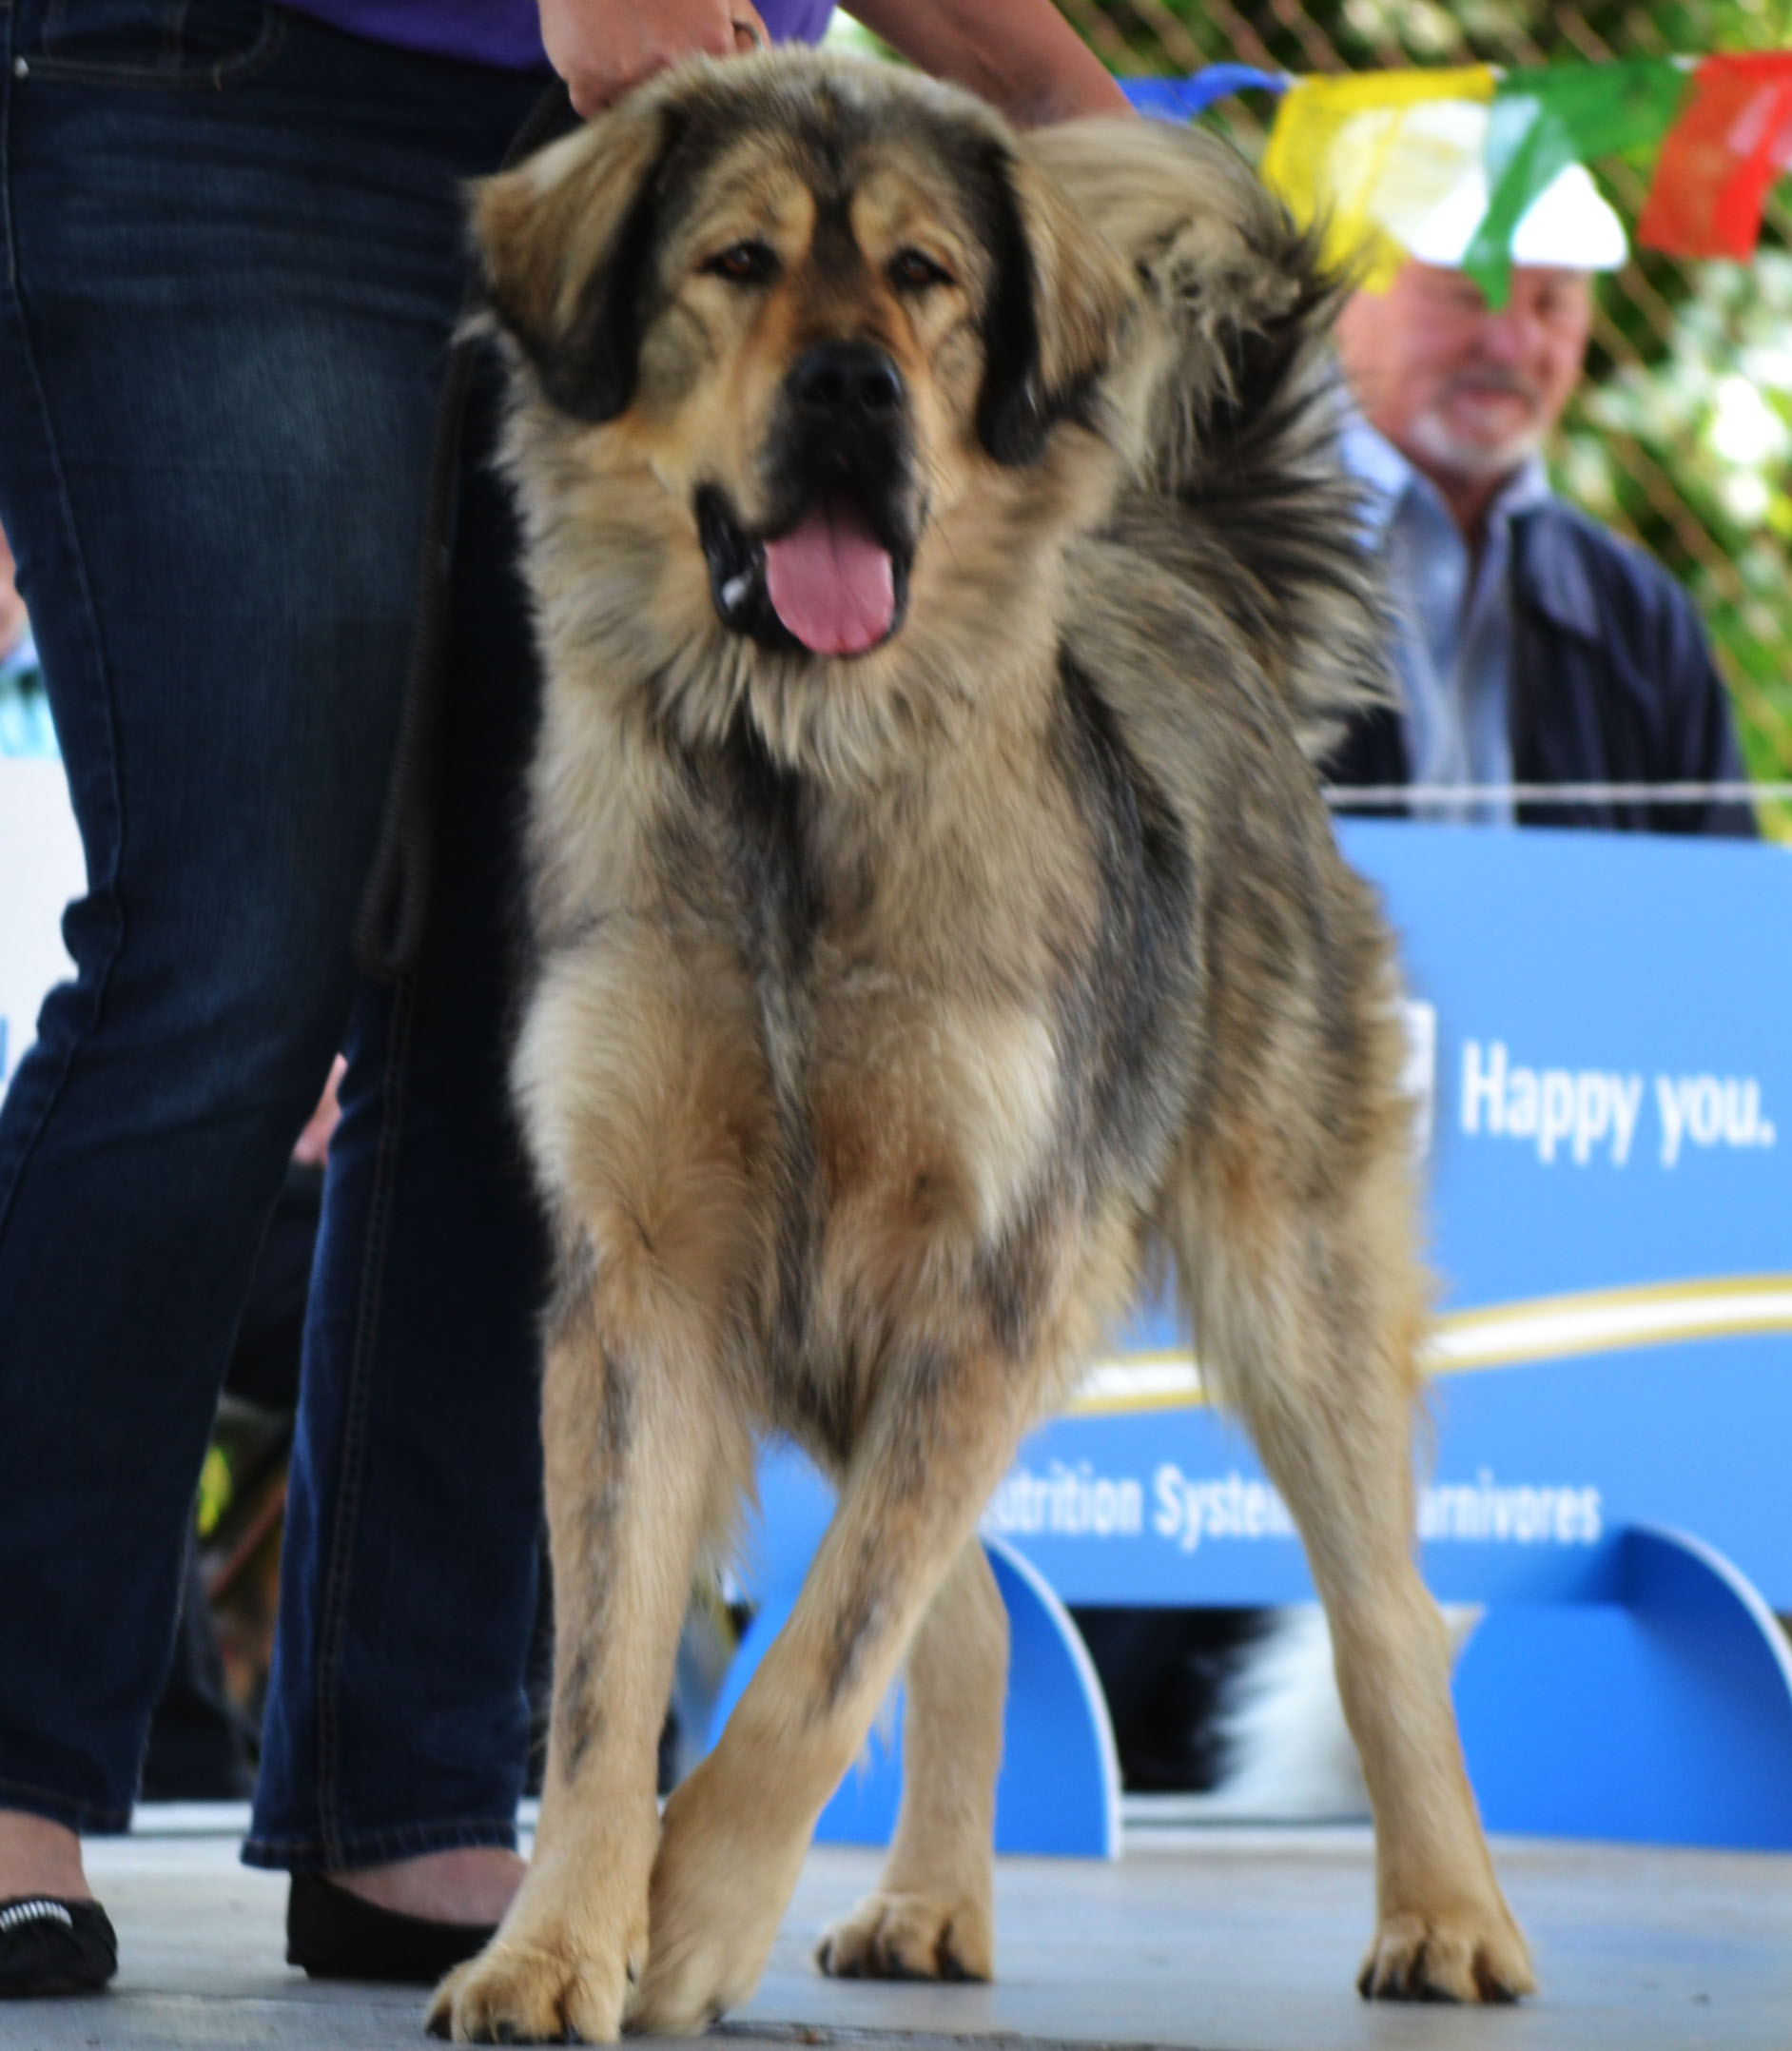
(1360, 34)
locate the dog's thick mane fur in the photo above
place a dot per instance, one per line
(1224, 401)
(1243, 426)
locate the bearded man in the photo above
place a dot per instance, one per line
(1534, 647)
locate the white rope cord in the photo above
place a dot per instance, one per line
(1345, 798)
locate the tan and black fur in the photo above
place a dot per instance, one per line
(891, 1015)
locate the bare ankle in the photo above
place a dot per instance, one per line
(470, 1884)
(39, 1857)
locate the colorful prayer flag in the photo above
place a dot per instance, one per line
(1719, 158)
(1336, 140)
(1542, 120)
(1186, 99)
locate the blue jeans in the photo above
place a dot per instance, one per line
(232, 262)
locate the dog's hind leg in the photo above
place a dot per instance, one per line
(1307, 1313)
(940, 1436)
(931, 1916)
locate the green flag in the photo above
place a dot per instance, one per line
(1545, 120)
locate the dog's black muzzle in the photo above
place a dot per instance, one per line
(842, 429)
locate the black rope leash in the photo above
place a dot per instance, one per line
(395, 902)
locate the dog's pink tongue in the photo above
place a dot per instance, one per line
(832, 582)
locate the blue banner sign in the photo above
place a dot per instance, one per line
(1602, 1046)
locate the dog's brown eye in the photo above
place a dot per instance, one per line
(748, 263)
(912, 271)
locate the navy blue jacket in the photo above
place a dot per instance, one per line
(1612, 682)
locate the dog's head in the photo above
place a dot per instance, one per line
(807, 349)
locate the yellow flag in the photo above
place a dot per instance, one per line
(1351, 152)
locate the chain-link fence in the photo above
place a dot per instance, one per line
(1682, 436)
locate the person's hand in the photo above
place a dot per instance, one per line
(604, 47)
(1020, 55)
(313, 1150)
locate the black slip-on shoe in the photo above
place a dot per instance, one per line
(51, 1946)
(335, 1934)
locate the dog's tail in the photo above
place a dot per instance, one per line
(1229, 405)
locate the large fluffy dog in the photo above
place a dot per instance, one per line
(938, 556)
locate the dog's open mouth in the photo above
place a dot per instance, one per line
(829, 585)
(832, 582)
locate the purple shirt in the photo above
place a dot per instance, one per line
(508, 32)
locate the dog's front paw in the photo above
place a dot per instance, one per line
(1471, 1954)
(538, 1989)
(899, 1936)
(724, 1873)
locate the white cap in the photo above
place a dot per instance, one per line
(1430, 195)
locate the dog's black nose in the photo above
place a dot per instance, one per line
(846, 381)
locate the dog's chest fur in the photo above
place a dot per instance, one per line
(964, 984)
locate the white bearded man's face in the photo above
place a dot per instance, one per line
(1465, 394)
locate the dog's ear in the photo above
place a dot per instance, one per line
(566, 245)
(1057, 300)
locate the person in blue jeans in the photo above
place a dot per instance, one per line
(232, 265)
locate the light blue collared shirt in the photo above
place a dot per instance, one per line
(1453, 656)
(25, 722)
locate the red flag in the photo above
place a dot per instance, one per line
(1720, 157)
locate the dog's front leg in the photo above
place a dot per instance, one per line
(1309, 1319)
(641, 1110)
(931, 1915)
(735, 1832)
(626, 1480)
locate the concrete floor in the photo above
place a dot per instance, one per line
(1216, 1938)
